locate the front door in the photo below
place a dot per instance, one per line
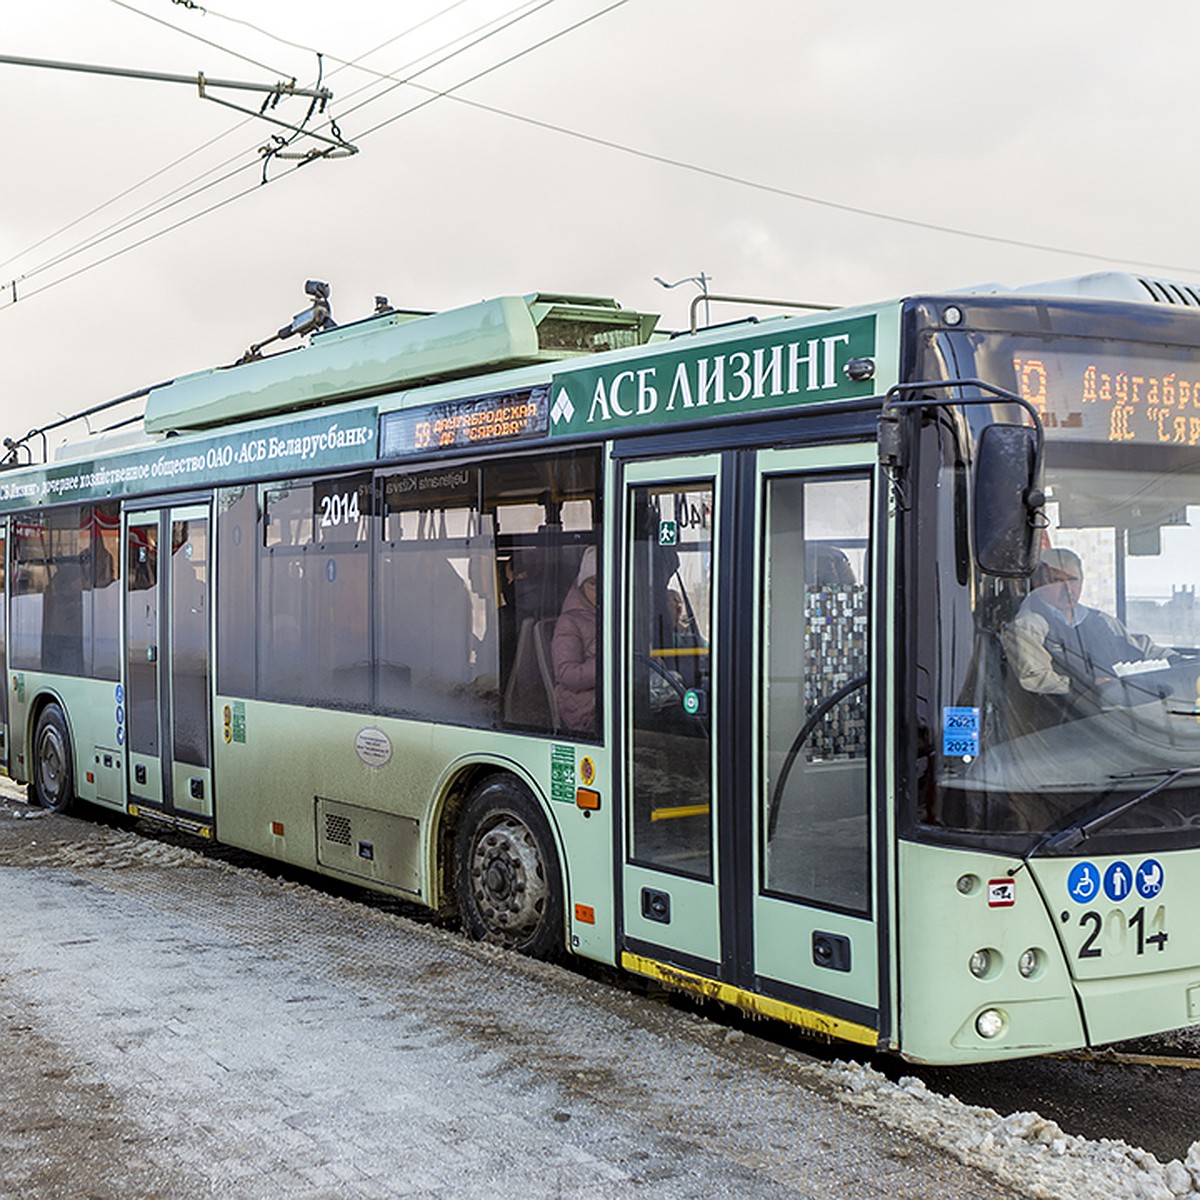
(747, 643)
(4, 763)
(167, 657)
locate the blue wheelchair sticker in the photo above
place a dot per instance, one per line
(1083, 884)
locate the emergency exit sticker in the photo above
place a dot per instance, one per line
(960, 732)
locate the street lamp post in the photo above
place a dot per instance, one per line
(701, 281)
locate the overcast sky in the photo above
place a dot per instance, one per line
(1067, 124)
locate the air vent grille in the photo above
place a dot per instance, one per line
(1163, 291)
(337, 829)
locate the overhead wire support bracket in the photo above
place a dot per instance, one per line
(338, 147)
(274, 92)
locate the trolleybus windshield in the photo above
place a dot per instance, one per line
(1065, 694)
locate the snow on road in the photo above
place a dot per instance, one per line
(173, 1025)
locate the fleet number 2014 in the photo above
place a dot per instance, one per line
(1115, 932)
(339, 509)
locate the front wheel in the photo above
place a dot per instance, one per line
(53, 784)
(507, 880)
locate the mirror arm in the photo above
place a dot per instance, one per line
(891, 442)
(891, 401)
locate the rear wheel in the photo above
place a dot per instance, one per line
(507, 879)
(53, 782)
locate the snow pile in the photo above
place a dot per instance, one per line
(19, 813)
(1025, 1150)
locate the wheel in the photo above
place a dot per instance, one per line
(507, 880)
(53, 785)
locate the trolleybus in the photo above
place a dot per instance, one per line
(842, 666)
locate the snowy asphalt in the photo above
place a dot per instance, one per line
(171, 1026)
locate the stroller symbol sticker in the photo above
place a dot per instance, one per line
(1149, 879)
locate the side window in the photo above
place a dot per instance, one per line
(314, 607)
(52, 563)
(816, 634)
(437, 598)
(28, 587)
(548, 518)
(475, 566)
(103, 614)
(237, 544)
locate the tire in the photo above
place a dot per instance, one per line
(53, 778)
(507, 878)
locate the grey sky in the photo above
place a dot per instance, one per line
(1064, 124)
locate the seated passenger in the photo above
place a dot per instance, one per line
(1056, 644)
(684, 634)
(573, 650)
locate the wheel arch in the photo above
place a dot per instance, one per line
(69, 798)
(460, 782)
(37, 705)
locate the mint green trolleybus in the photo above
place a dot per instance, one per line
(841, 666)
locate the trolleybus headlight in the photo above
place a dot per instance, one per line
(981, 963)
(990, 1023)
(1030, 962)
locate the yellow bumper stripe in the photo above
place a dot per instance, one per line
(779, 1010)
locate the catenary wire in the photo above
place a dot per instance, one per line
(128, 221)
(741, 181)
(163, 204)
(216, 46)
(713, 173)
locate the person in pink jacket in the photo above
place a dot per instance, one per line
(573, 650)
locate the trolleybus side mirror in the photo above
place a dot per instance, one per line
(1008, 500)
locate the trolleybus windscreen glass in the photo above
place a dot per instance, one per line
(1062, 696)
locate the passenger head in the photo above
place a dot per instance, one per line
(676, 607)
(585, 581)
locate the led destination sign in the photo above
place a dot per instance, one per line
(505, 417)
(1126, 394)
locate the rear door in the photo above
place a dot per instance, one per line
(168, 582)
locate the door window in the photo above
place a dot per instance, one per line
(189, 639)
(142, 640)
(816, 633)
(670, 678)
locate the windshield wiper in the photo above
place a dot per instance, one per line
(1065, 840)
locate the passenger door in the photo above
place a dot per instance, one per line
(167, 660)
(4, 587)
(750, 832)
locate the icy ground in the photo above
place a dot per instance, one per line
(114, 1082)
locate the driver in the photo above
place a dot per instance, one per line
(1054, 640)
